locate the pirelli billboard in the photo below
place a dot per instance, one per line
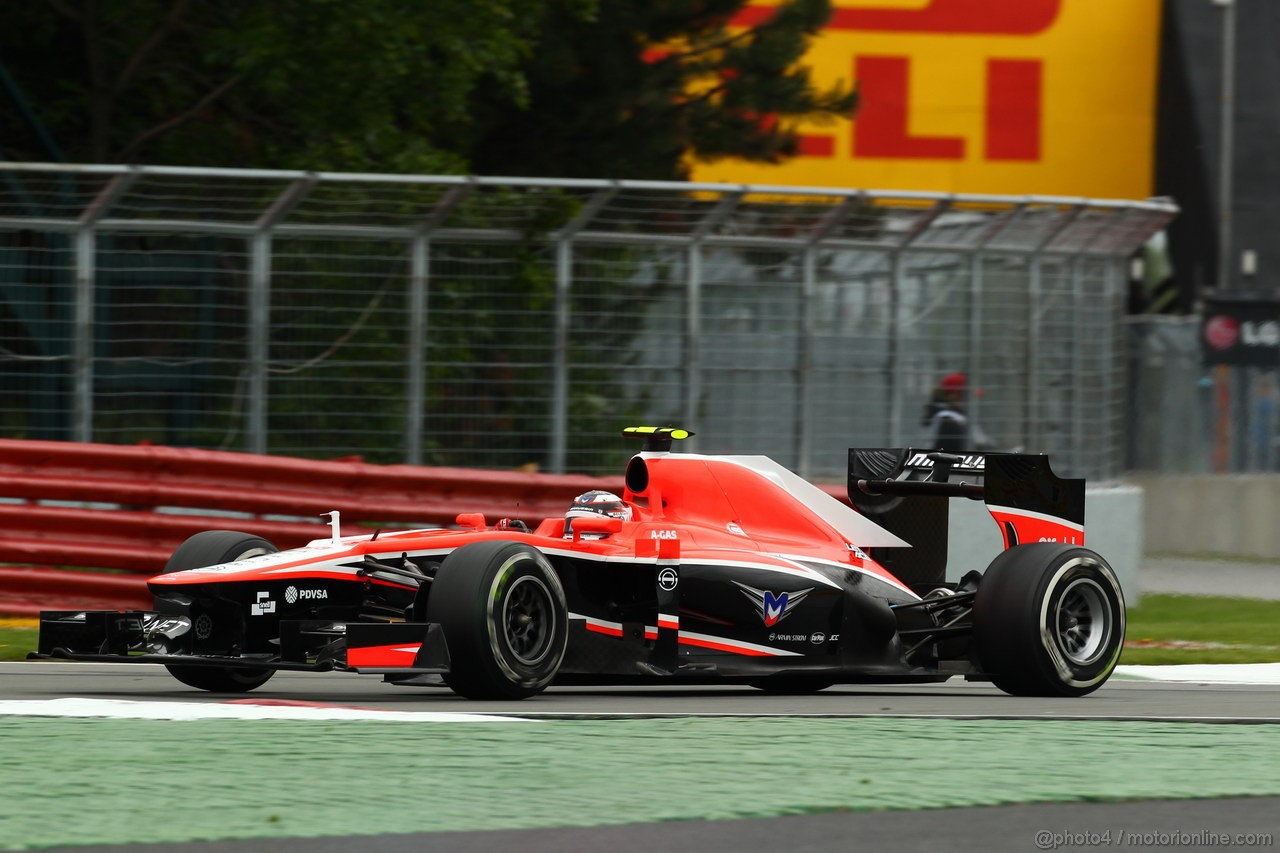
(1049, 97)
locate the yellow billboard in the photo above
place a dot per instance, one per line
(1017, 97)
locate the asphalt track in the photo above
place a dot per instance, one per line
(955, 699)
(1221, 824)
(1141, 824)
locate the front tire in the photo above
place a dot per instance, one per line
(502, 609)
(210, 548)
(1049, 620)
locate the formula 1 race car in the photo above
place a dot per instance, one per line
(706, 568)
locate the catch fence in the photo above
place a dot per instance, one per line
(520, 323)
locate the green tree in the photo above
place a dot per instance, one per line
(317, 84)
(636, 89)
(605, 88)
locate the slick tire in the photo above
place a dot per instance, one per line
(502, 609)
(1049, 620)
(210, 548)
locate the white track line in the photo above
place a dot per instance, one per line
(1220, 673)
(128, 709)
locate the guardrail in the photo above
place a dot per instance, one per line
(128, 507)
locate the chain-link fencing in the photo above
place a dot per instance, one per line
(508, 323)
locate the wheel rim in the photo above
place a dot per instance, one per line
(1082, 620)
(528, 620)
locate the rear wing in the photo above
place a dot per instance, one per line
(906, 491)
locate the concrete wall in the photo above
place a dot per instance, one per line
(1113, 526)
(1230, 515)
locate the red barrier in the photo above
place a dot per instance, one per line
(143, 479)
(28, 591)
(148, 482)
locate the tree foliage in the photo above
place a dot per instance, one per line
(638, 88)
(318, 84)
(606, 88)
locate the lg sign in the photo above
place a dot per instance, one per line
(1221, 332)
(1003, 96)
(1241, 331)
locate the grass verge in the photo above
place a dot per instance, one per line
(1172, 629)
(1165, 629)
(17, 637)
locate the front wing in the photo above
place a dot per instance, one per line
(143, 636)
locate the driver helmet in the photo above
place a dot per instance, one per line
(594, 504)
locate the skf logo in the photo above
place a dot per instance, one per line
(263, 605)
(773, 607)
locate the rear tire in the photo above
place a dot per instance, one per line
(1049, 620)
(209, 548)
(503, 612)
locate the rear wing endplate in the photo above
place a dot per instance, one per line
(899, 489)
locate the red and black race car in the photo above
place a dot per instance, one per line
(706, 568)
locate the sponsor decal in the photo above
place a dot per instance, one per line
(668, 579)
(263, 605)
(963, 96)
(788, 638)
(773, 607)
(204, 626)
(293, 594)
(663, 534)
(1221, 332)
(971, 461)
(1241, 330)
(818, 638)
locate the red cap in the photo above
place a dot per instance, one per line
(953, 382)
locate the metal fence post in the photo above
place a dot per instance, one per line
(1031, 424)
(82, 343)
(692, 330)
(560, 369)
(259, 317)
(975, 336)
(804, 359)
(416, 372)
(1080, 330)
(260, 307)
(893, 367)
(86, 244)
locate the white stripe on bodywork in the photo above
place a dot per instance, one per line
(766, 650)
(795, 569)
(307, 568)
(894, 582)
(706, 638)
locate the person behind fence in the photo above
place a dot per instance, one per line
(945, 415)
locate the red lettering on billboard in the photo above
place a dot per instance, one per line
(1013, 109)
(984, 17)
(815, 145)
(882, 122)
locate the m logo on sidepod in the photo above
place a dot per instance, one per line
(773, 607)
